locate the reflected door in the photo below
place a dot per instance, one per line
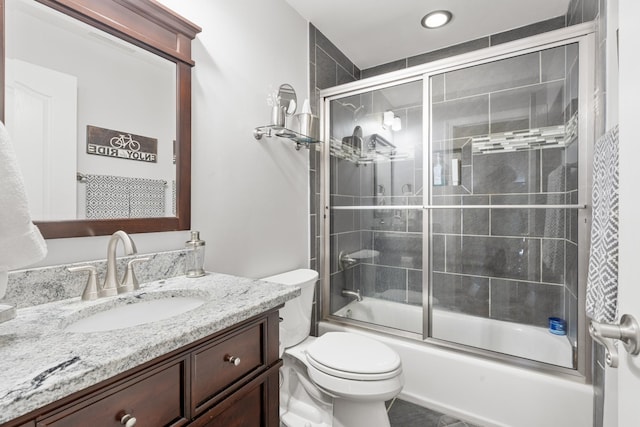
(503, 146)
(41, 111)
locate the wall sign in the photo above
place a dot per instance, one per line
(123, 145)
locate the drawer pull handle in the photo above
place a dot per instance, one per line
(128, 421)
(235, 361)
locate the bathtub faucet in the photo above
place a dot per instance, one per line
(354, 294)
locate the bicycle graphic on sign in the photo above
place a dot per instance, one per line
(125, 141)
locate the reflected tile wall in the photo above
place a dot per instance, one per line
(476, 221)
(465, 294)
(524, 302)
(384, 282)
(493, 76)
(529, 107)
(509, 172)
(512, 258)
(460, 118)
(399, 249)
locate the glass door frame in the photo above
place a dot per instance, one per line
(583, 34)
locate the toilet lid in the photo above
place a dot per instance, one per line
(352, 353)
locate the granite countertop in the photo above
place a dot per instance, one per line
(40, 362)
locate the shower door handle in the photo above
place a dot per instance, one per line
(628, 331)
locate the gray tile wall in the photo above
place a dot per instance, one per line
(328, 67)
(470, 46)
(512, 264)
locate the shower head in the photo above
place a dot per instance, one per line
(358, 112)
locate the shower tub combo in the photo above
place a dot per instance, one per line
(457, 226)
(479, 390)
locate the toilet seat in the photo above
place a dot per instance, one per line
(353, 357)
(352, 375)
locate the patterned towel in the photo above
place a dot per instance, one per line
(602, 282)
(107, 197)
(146, 198)
(111, 197)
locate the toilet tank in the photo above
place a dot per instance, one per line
(296, 313)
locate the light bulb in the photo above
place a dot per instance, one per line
(436, 19)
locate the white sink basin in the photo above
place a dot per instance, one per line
(133, 314)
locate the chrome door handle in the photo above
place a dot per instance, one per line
(628, 331)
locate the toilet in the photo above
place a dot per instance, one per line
(340, 379)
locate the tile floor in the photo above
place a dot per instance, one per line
(405, 414)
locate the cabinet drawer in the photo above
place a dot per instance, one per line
(212, 369)
(253, 405)
(154, 399)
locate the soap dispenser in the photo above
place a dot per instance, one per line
(195, 256)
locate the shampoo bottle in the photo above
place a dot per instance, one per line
(438, 172)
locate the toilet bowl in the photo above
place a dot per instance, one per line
(339, 379)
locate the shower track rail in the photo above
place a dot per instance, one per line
(431, 207)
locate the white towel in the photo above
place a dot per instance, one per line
(21, 243)
(602, 282)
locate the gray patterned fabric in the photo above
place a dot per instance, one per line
(146, 198)
(111, 197)
(173, 197)
(602, 283)
(107, 197)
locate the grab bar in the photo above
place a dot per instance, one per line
(432, 207)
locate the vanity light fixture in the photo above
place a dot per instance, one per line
(436, 19)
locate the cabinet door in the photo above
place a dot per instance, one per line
(254, 405)
(154, 398)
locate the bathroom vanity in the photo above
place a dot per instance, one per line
(214, 365)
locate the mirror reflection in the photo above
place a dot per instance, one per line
(94, 132)
(288, 99)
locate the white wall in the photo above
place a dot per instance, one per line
(249, 198)
(610, 410)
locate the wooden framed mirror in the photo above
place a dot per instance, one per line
(126, 130)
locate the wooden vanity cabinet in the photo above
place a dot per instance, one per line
(154, 397)
(228, 379)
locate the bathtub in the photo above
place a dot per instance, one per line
(531, 342)
(477, 389)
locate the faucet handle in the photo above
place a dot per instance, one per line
(91, 288)
(130, 282)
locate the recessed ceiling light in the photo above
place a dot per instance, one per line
(436, 19)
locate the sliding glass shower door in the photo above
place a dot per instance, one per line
(504, 162)
(376, 178)
(455, 197)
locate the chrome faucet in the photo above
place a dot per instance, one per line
(112, 285)
(353, 294)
